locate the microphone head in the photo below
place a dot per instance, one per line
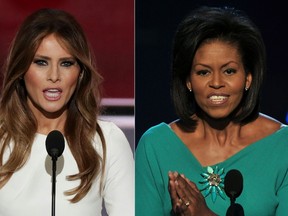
(55, 144)
(233, 183)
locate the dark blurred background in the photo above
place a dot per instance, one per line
(156, 23)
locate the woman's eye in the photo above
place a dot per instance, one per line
(67, 63)
(230, 71)
(202, 72)
(40, 62)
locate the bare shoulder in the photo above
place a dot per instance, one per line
(183, 135)
(264, 125)
(173, 125)
(269, 122)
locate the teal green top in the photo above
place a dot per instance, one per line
(263, 164)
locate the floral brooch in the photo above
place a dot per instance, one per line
(213, 183)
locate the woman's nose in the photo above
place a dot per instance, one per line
(216, 81)
(54, 74)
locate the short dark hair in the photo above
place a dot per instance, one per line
(228, 25)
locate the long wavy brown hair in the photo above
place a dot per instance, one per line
(18, 124)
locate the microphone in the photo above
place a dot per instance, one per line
(55, 146)
(233, 186)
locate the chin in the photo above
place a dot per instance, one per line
(218, 117)
(54, 110)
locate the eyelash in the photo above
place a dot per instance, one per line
(202, 72)
(40, 62)
(65, 63)
(229, 71)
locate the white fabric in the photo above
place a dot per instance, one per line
(28, 192)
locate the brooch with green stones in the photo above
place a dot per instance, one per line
(213, 183)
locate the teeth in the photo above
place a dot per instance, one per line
(52, 90)
(53, 93)
(217, 98)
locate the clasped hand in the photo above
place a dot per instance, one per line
(186, 199)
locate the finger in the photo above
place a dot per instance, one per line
(187, 193)
(192, 184)
(181, 208)
(172, 186)
(183, 184)
(195, 194)
(172, 191)
(173, 194)
(172, 175)
(191, 187)
(182, 191)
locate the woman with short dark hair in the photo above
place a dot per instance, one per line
(217, 72)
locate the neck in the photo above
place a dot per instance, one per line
(47, 122)
(221, 131)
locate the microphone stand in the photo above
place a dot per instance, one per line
(234, 209)
(55, 144)
(54, 162)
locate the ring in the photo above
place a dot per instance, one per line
(187, 203)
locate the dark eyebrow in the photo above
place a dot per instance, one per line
(42, 57)
(225, 65)
(61, 59)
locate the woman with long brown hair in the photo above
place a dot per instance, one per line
(51, 83)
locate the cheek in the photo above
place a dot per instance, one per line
(73, 78)
(72, 81)
(199, 94)
(198, 88)
(32, 80)
(238, 87)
